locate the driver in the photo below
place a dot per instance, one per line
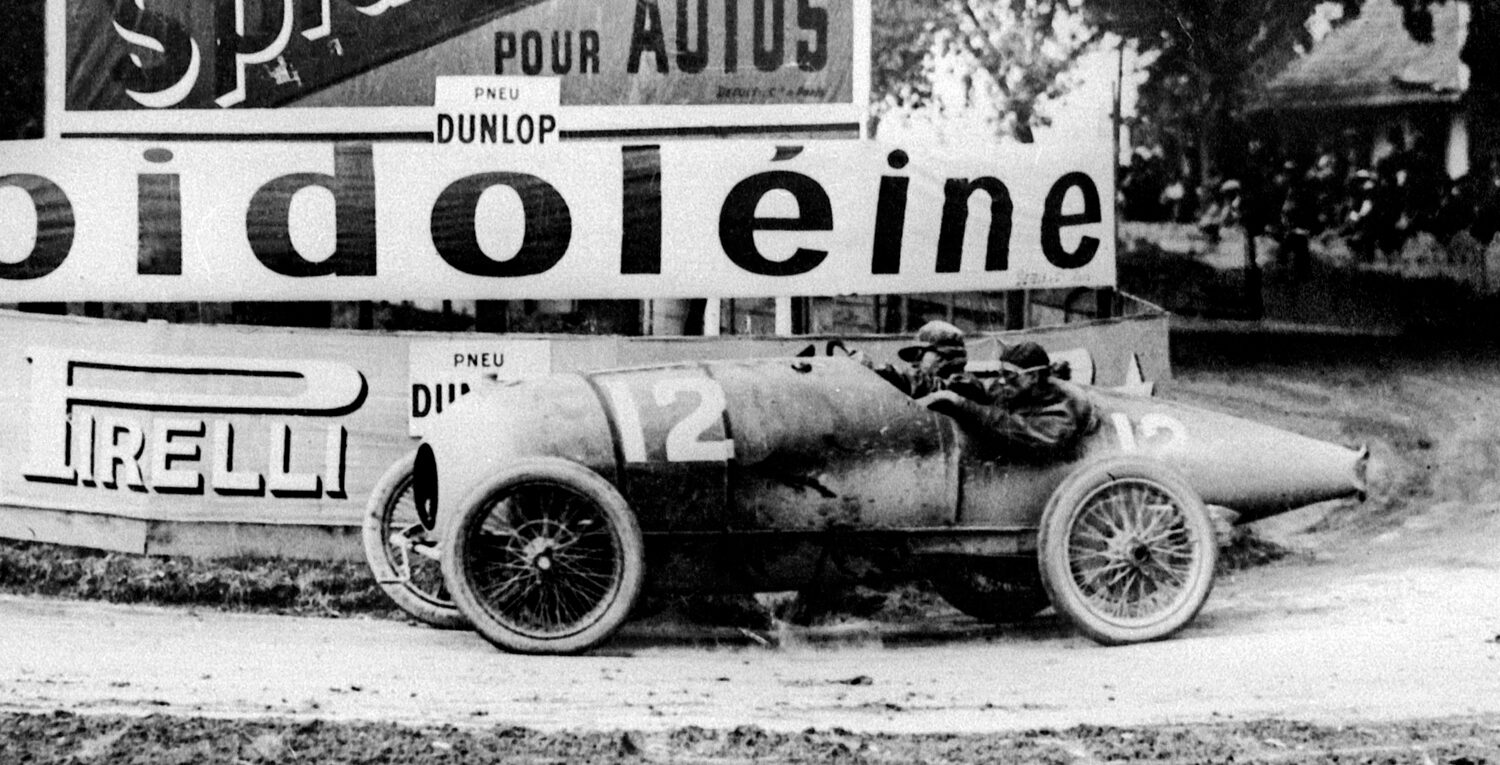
(935, 362)
(1026, 416)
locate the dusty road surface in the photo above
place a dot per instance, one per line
(1401, 627)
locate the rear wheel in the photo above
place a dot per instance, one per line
(997, 591)
(544, 557)
(1127, 550)
(403, 554)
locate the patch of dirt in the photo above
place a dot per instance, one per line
(66, 737)
(306, 587)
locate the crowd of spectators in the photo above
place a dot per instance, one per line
(1376, 206)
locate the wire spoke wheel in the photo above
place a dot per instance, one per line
(1127, 551)
(547, 558)
(1131, 550)
(403, 554)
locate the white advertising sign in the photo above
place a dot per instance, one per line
(443, 370)
(110, 220)
(500, 110)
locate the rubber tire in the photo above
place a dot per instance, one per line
(376, 530)
(457, 562)
(992, 591)
(1052, 550)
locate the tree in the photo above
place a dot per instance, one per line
(1001, 59)
(21, 71)
(1478, 54)
(1210, 57)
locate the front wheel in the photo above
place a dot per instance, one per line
(544, 557)
(402, 553)
(1127, 550)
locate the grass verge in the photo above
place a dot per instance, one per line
(322, 588)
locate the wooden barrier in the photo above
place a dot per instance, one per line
(221, 440)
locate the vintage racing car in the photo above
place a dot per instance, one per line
(537, 510)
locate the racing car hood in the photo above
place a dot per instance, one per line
(1255, 469)
(555, 416)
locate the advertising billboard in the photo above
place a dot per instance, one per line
(127, 221)
(368, 68)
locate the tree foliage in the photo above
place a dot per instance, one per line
(1478, 52)
(21, 70)
(1003, 58)
(1212, 56)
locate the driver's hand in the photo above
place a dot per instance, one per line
(940, 400)
(862, 358)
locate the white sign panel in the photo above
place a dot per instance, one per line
(500, 110)
(106, 220)
(444, 370)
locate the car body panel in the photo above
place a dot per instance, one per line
(814, 444)
(821, 442)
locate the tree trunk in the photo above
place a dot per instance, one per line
(1483, 97)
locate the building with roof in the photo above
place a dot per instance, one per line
(1369, 88)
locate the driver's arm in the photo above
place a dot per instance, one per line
(904, 378)
(1048, 431)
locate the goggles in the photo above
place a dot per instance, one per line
(1012, 374)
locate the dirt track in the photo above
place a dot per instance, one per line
(1330, 641)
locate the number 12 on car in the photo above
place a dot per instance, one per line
(689, 432)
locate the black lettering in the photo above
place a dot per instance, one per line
(956, 193)
(54, 227)
(647, 37)
(505, 49)
(174, 60)
(640, 236)
(548, 127)
(548, 225)
(531, 52)
(353, 188)
(731, 35)
(159, 220)
(692, 59)
(444, 128)
(768, 58)
(487, 128)
(565, 64)
(421, 400)
(812, 58)
(738, 222)
(588, 52)
(890, 218)
(1053, 220)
